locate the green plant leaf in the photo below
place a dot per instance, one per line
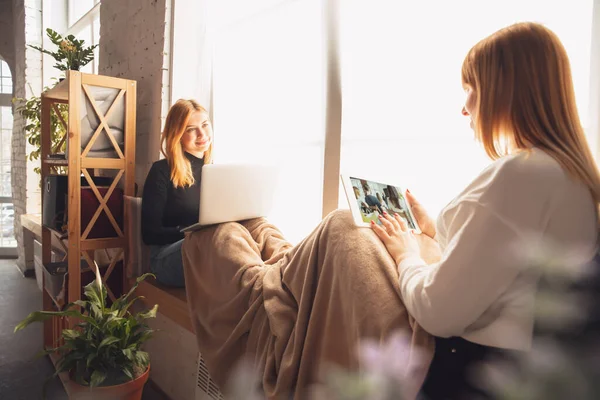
(142, 358)
(70, 334)
(40, 316)
(97, 378)
(138, 280)
(96, 296)
(129, 354)
(123, 309)
(108, 341)
(148, 314)
(141, 337)
(127, 373)
(90, 358)
(51, 350)
(69, 360)
(54, 36)
(81, 303)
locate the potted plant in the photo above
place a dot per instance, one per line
(103, 354)
(71, 55)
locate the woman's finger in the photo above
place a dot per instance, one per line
(394, 222)
(412, 200)
(387, 223)
(418, 211)
(380, 232)
(400, 221)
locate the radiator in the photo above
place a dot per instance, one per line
(206, 388)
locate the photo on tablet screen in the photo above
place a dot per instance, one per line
(373, 198)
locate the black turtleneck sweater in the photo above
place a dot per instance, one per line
(166, 209)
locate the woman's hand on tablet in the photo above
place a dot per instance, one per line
(399, 241)
(425, 222)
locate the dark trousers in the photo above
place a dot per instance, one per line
(456, 371)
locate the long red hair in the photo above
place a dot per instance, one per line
(521, 76)
(175, 124)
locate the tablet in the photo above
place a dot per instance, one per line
(368, 199)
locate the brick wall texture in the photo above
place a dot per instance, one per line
(27, 29)
(134, 44)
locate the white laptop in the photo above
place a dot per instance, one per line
(235, 192)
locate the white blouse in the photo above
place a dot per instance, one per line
(483, 288)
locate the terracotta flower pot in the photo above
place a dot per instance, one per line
(131, 390)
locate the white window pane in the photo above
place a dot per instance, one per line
(96, 40)
(402, 92)
(225, 13)
(5, 188)
(7, 237)
(268, 103)
(96, 31)
(5, 78)
(6, 118)
(6, 153)
(6, 85)
(300, 190)
(86, 35)
(4, 70)
(78, 8)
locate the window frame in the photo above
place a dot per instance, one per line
(6, 98)
(87, 20)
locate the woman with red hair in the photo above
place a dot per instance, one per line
(171, 195)
(542, 191)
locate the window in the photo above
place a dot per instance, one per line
(78, 8)
(84, 23)
(6, 125)
(402, 93)
(5, 78)
(268, 99)
(399, 64)
(7, 238)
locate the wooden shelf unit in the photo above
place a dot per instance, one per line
(77, 90)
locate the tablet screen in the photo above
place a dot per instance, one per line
(373, 198)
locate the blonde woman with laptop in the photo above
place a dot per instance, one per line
(543, 188)
(172, 190)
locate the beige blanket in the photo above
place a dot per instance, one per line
(293, 309)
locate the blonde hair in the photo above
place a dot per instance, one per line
(524, 91)
(175, 124)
